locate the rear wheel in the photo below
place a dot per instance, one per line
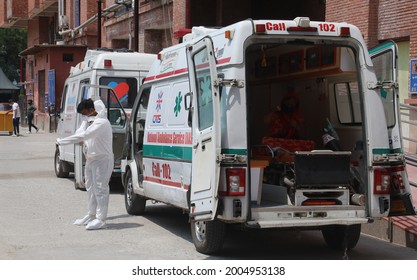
(59, 166)
(135, 204)
(340, 237)
(208, 236)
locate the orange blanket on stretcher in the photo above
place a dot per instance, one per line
(291, 145)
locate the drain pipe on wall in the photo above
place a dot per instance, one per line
(98, 23)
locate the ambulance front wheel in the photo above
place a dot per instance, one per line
(135, 204)
(59, 166)
(208, 236)
(341, 237)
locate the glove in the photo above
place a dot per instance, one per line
(57, 142)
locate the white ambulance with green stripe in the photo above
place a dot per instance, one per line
(198, 139)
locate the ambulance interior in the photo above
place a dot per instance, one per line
(296, 167)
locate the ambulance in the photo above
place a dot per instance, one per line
(121, 70)
(199, 141)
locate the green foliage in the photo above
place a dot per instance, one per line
(12, 42)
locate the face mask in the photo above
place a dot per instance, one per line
(91, 118)
(88, 118)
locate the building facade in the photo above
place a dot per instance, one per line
(379, 21)
(60, 31)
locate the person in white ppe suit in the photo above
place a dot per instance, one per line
(96, 133)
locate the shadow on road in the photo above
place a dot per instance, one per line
(275, 244)
(115, 184)
(120, 226)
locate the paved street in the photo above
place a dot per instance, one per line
(37, 210)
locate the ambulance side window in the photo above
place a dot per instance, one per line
(204, 93)
(140, 119)
(144, 99)
(63, 99)
(115, 113)
(85, 90)
(384, 70)
(348, 103)
(125, 88)
(143, 106)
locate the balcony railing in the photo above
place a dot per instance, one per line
(409, 129)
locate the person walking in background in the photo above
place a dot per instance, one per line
(16, 117)
(30, 113)
(96, 133)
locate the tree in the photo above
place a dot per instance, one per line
(12, 42)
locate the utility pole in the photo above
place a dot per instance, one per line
(98, 23)
(136, 19)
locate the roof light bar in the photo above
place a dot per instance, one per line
(306, 29)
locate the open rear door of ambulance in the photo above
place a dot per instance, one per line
(391, 183)
(206, 130)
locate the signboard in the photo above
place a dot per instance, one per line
(51, 86)
(413, 75)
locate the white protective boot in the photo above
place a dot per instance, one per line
(85, 220)
(96, 224)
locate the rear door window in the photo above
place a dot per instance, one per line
(348, 103)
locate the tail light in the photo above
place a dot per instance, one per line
(236, 181)
(387, 179)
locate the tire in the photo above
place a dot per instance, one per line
(208, 236)
(335, 236)
(59, 166)
(135, 204)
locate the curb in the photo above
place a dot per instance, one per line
(397, 230)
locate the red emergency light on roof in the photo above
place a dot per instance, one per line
(181, 32)
(298, 28)
(107, 63)
(345, 31)
(260, 28)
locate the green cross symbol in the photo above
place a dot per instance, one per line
(177, 107)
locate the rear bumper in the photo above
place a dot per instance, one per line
(306, 217)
